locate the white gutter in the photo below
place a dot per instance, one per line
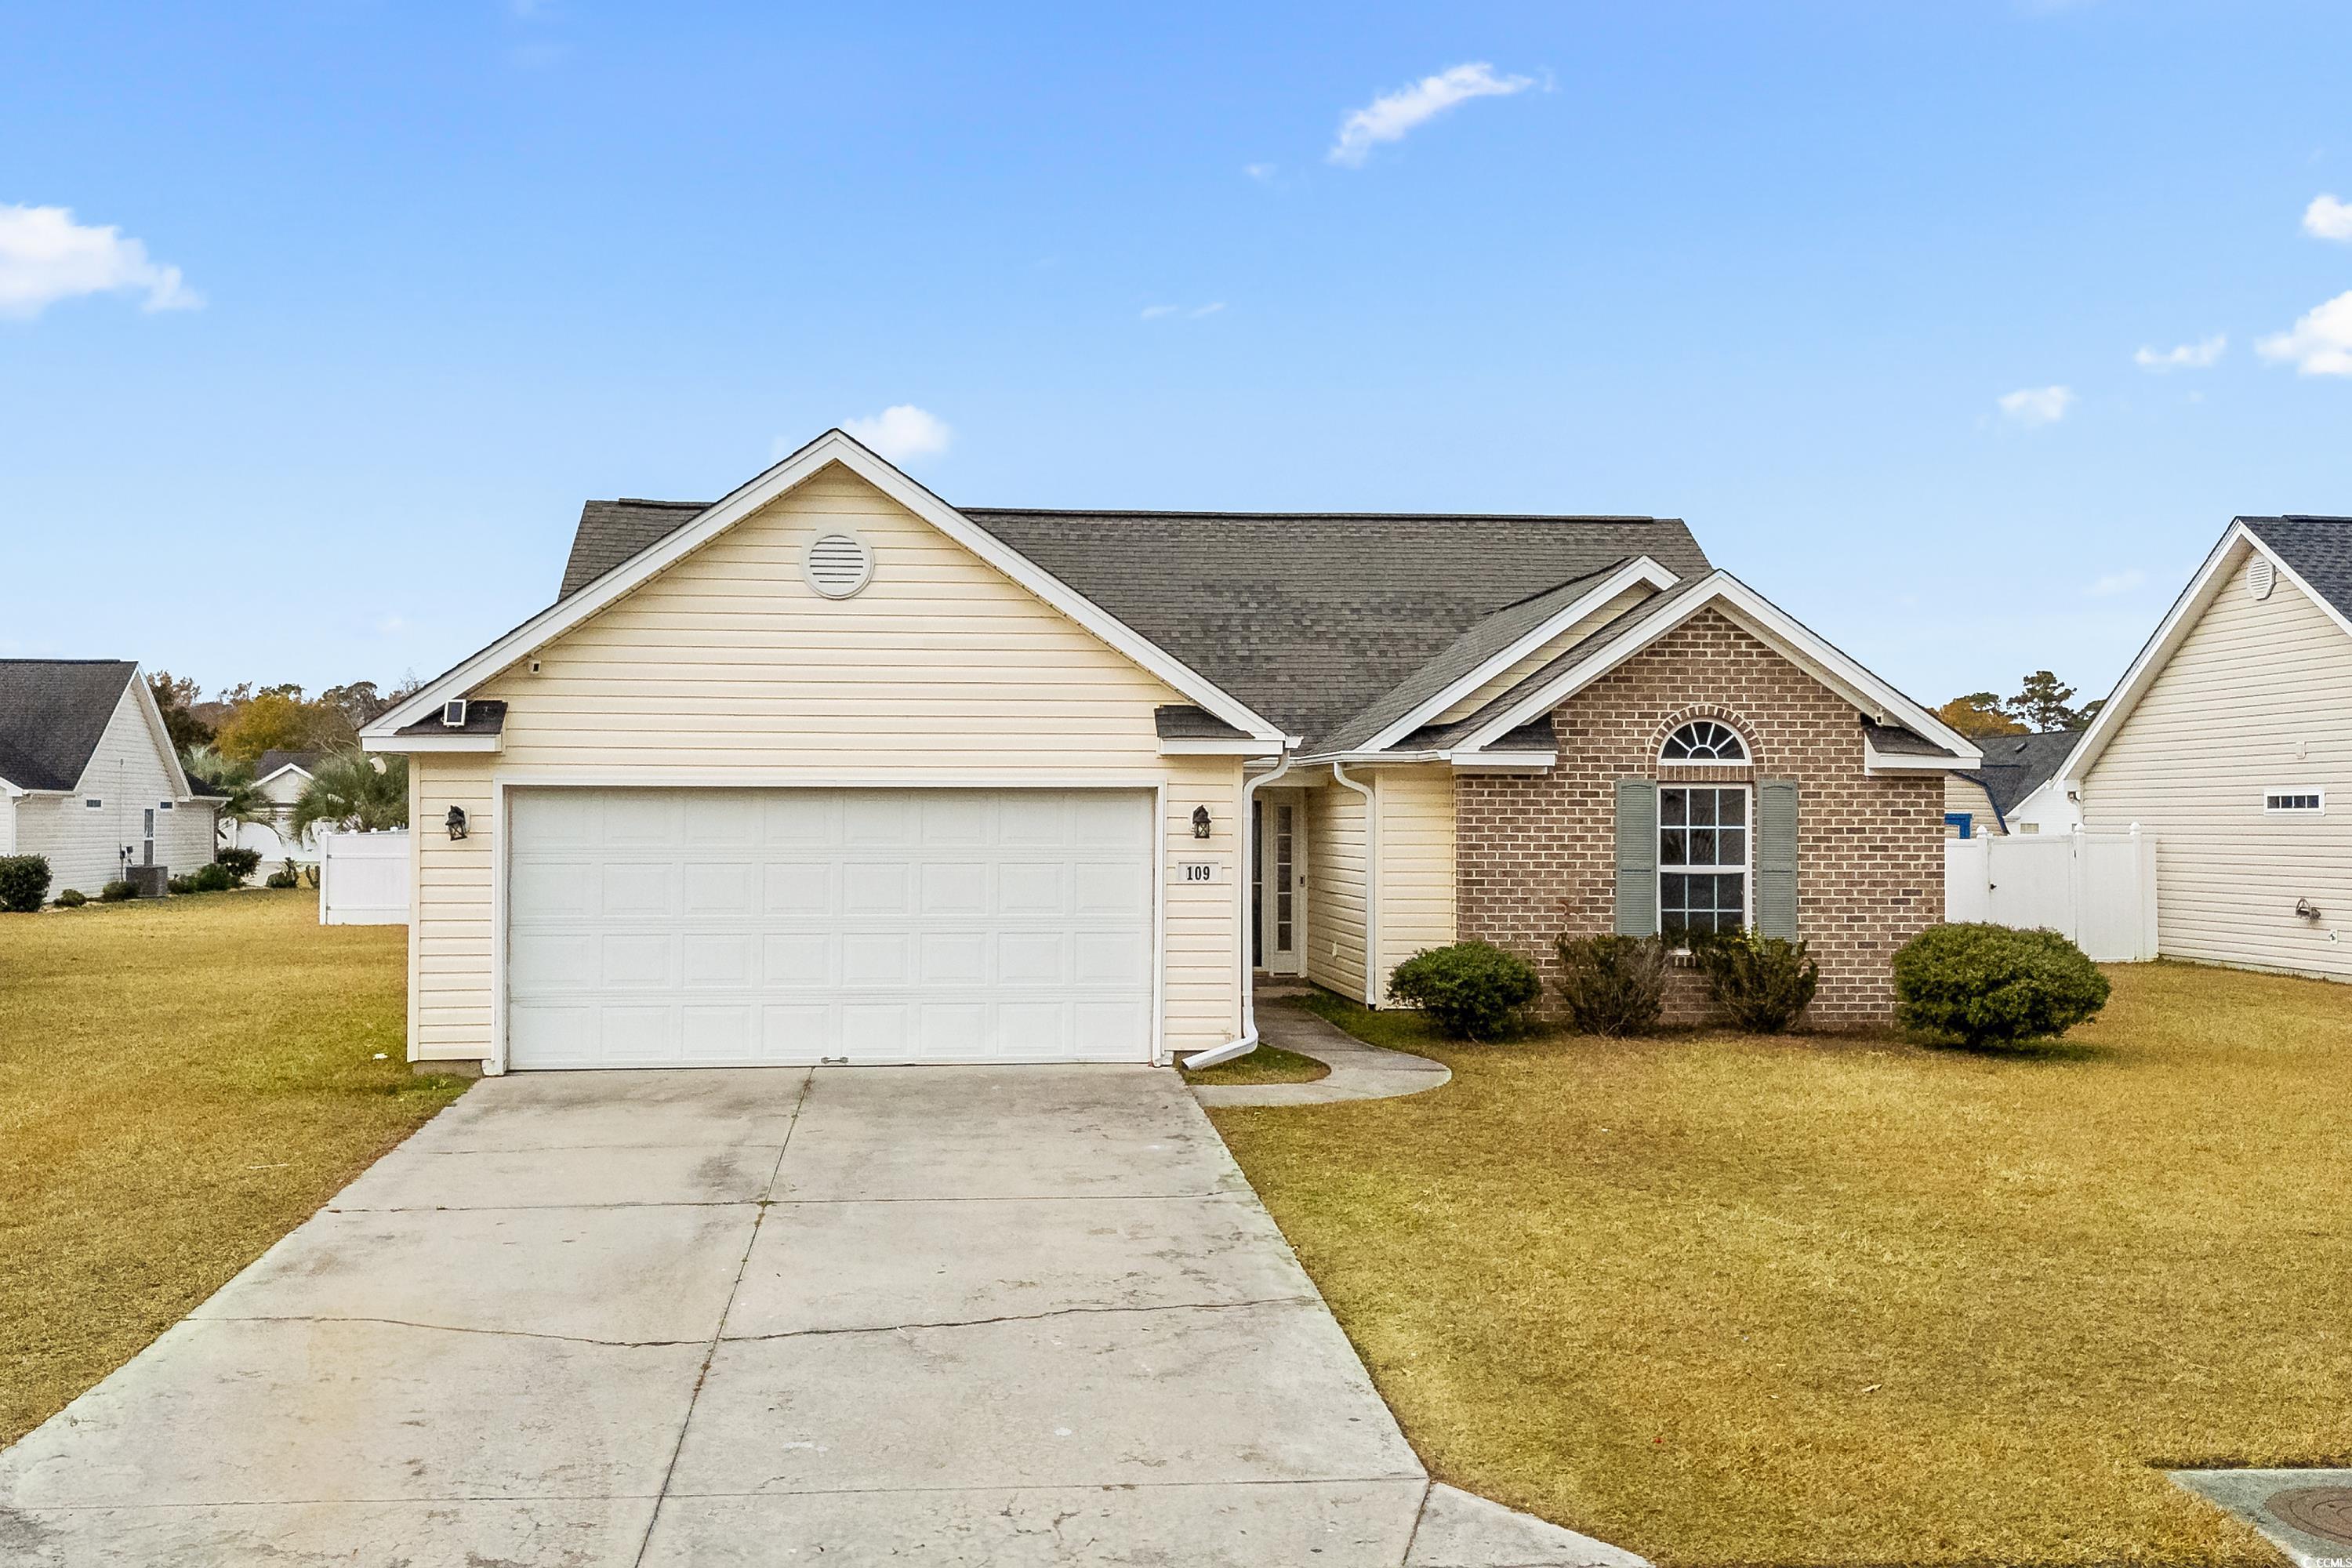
(1247, 1042)
(1371, 883)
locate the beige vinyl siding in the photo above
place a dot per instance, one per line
(2252, 698)
(1416, 862)
(1335, 889)
(729, 668)
(1583, 627)
(1961, 794)
(127, 774)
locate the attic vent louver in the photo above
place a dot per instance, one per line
(839, 565)
(2261, 577)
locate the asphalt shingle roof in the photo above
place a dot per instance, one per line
(2318, 548)
(2017, 766)
(1306, 617)
(272, 761)
(53, 713)
(484, 716)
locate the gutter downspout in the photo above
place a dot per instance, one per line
(1247, 1042)
(1371, 883)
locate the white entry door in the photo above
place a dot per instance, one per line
(1281, 881)
(736, 927)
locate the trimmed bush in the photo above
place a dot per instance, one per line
(1759, 983)
(1992, 986)
(24, 883)
(288, 878)
(212, 879)
(1471, 991)
(1612, 984)
(179, 884)
(242, 863)
(72, 898)
(116, 892)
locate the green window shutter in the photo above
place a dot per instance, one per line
(1637, 857)
(1776, 858)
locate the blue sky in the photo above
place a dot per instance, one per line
(445, 270)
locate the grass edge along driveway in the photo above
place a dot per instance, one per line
(1729, 1300)
(181, 1082)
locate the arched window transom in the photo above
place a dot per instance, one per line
(1703, 741)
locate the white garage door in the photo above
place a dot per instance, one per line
(725, 927)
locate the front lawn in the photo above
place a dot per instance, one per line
(181, 1082)
(1729, 1299)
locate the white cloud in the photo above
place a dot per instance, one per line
(2198, 355)
(45, 257)
(902, 431)
(1390, 116)
(1194, 312)
(2038, 405)
(1209, 310)
(1260, 171)
(2116, 582)
(1153, 312)
(2327, 218)
(2321, 342)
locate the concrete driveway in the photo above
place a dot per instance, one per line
(936, 1315)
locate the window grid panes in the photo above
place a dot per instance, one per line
(2292, 802)
(1703, 847)
(1703, 741)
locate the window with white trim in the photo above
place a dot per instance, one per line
(2294, 802)
(1703, 847)
(1703, 741)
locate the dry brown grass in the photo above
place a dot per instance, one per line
(1727, 1299)
(180, 1083)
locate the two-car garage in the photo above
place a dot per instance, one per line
(728, 927)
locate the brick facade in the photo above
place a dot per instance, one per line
(1535, 853)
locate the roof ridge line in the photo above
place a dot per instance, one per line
(1331, 516)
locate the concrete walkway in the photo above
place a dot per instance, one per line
(1359, 1072)
(933, 1316)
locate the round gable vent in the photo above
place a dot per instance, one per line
(839, 565)
(2261, 577)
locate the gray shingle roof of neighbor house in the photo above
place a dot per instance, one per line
(2017, 766)
(1184, 721)
(53, 713)
(484, 716)
(2318, 548)
(1306, 617)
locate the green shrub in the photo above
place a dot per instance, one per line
(1992, 986)
(24, 883)
(1471, 991)
(179, 884)
(212, 879)
(288, 877)
(72, 898)
(116, 891)
(1612, 984)
(242, 863)
(1759, 983)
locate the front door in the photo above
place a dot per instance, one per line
(1281, 881)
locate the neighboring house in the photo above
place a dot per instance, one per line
(2230, 737)
(2013, 791)
(830, 770)
(280, 776)
(87, 776)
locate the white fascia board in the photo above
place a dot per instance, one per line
(1641, 569)
(403, 744)
(1795, 641)
(2157, 651)
(1503, 762)
(1874, 761)
(833, 447)
(1237, 746)
(280, 772)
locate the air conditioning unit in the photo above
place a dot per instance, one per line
(149, 880)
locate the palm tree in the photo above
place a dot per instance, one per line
(231, 783)
(349, 790)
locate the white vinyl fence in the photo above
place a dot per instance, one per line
(364, 879)
(2097, 889)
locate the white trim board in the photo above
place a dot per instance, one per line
(1641, 569)
(2206, 585)
(827, 449)
(1757, 615)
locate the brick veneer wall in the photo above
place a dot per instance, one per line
(1535, 854)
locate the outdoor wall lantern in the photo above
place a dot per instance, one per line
(1199, 822)
(457, 822)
